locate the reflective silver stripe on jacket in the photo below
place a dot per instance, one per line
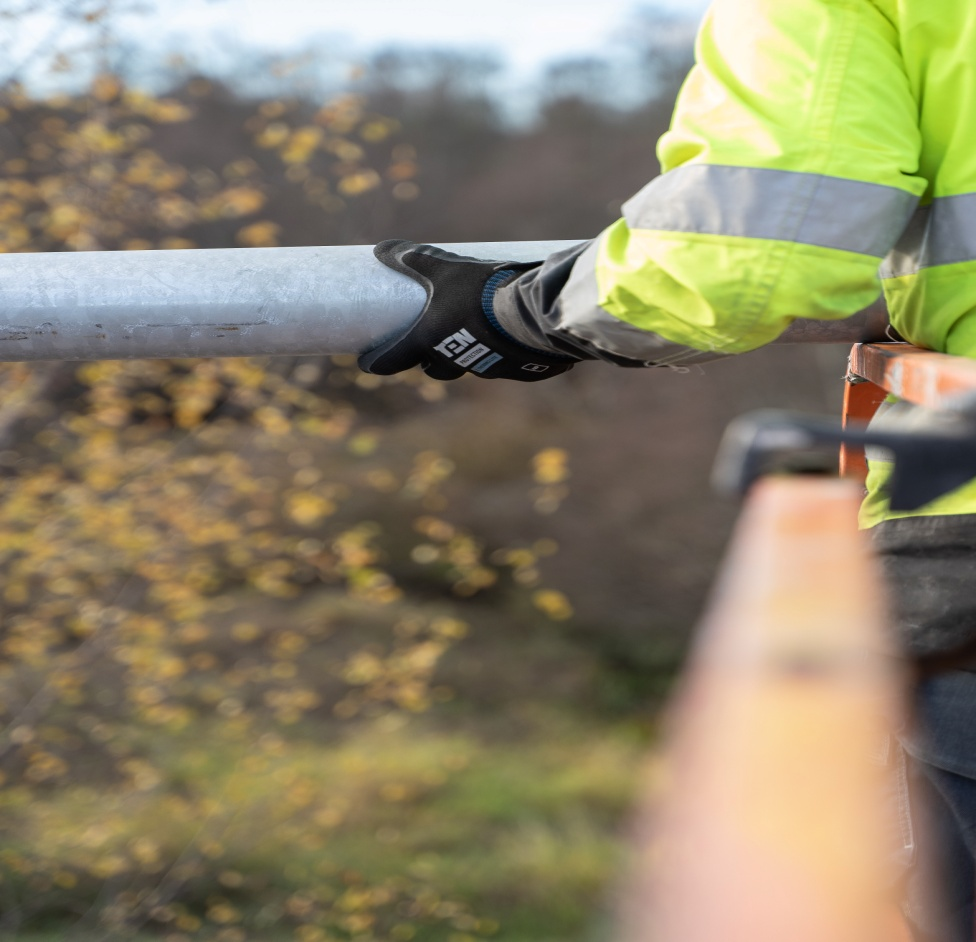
(581, 315)
(783, 205)
(940, 233)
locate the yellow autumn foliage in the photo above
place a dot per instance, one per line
(157, 521)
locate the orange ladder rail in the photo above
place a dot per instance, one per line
(772, 822)
(877, 370)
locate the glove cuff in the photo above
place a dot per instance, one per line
(499, 280)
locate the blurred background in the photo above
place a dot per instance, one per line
(292, 652)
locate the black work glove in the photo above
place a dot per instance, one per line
(457, 332)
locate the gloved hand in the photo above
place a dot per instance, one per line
(457, 332)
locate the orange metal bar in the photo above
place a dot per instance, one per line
(861, 401)
(919, 376)
(770, 823)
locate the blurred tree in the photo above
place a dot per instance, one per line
(227, 586)
(145, 506)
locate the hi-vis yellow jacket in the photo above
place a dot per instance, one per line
(820, 149)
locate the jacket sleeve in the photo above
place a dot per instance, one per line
(789, 171)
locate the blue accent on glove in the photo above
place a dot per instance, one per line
(488, 307)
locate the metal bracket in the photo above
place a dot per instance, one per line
(927, 464)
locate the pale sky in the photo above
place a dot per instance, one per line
(217, 35)
(524, 34)
(529, 31)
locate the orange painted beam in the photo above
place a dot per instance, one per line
(861, 402)
(919, 376)
(769, 820)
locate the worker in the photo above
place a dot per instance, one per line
(820, 150)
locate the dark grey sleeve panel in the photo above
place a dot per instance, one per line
(555, 307)
(527, 308)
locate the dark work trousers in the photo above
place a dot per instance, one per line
(930, 565)
(942, 791)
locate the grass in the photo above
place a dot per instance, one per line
(496, 814)
(515, 840)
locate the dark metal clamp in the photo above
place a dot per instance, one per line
(928, 462)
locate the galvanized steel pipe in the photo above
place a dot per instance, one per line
(217, 302)
(211, 302)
